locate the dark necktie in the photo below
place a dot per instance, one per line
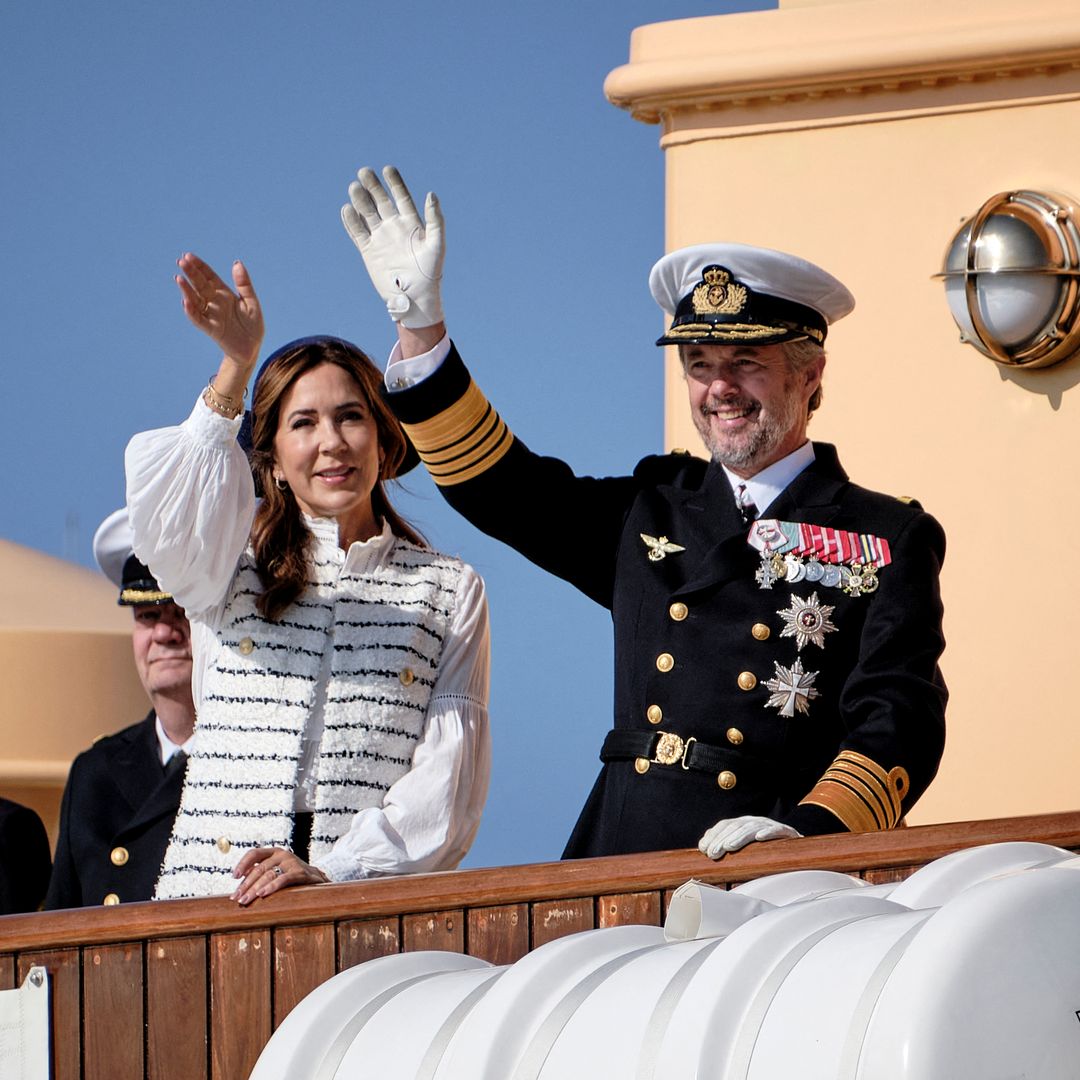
(175, 764)
(746, 505)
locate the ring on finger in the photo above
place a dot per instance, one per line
(278, 871)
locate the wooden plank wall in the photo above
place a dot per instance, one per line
(193, 990)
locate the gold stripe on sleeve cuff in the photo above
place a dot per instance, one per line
(463, 441)
(861, 793)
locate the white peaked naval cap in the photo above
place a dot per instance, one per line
(738, 293)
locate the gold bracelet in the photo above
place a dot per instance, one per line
(220, 403)
(225, 397)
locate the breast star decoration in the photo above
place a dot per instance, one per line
(792, 689)
(659, 547)
(807, 621)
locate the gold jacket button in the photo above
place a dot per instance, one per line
(246, 646)
(406, 676)
(655, 714)
(224, 844)
(747, 680)
(111, 899)
(119, 856)
(726, 780)
(760, 631)
(641, 764)
(678, 611)
(734, 736)
(665, 662)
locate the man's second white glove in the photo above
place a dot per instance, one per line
(403, 255)
(734, 833)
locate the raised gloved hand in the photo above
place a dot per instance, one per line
(734, 833)
(403, 254)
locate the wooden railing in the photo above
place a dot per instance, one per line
(193, 989)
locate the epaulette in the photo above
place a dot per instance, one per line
(664, 468)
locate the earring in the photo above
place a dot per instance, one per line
(280, 484)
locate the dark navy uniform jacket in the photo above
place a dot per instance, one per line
(697, 638)
(115, 820)
(24, 859)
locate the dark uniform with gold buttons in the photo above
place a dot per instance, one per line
(718, 711)
(115, 820)
(119, 802)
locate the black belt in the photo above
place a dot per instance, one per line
(667, 748)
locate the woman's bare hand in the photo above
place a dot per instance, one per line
(265, 870)
(232, 319)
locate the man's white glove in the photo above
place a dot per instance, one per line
(734, 833)
(403, 254)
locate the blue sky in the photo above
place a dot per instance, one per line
(133, 132)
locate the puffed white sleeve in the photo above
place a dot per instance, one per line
(191, 502)
(429, 816)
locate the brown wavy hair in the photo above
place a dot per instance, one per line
(280, 539)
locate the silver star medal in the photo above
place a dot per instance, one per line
(792, 689)
(660, 547)
(807, 621)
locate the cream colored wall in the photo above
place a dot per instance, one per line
(869, 173)
(66, 669)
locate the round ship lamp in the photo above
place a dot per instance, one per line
(1012, 279)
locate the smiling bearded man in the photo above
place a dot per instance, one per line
(776, 668)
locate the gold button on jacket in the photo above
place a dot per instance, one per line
(891, 710)
(734, 736)
(111, 899)
(641, 764)
(747, 680)
(406, 676)
(224, 844)
(119, 856)
(678, 611)
(246, 646)
(655, 714)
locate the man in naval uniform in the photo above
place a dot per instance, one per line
(777, 628)
(122, 794)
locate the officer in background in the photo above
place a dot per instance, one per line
(777, 628)
(24, 859)
(123, 793)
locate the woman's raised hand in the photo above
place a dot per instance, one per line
(232, 319)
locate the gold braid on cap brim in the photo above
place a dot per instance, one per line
(740, 331)
(861, 793)
(463, 441)
(143, 596)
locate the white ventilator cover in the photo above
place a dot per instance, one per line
(969, 968)
(315, 1036)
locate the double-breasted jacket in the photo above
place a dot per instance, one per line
(115, 819)
(813, 702)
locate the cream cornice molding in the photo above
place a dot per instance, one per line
(816, 53)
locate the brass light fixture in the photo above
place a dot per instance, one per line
(1012, 279)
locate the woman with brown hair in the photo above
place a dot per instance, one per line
(340, 665)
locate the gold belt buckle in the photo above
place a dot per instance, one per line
(670, 748)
